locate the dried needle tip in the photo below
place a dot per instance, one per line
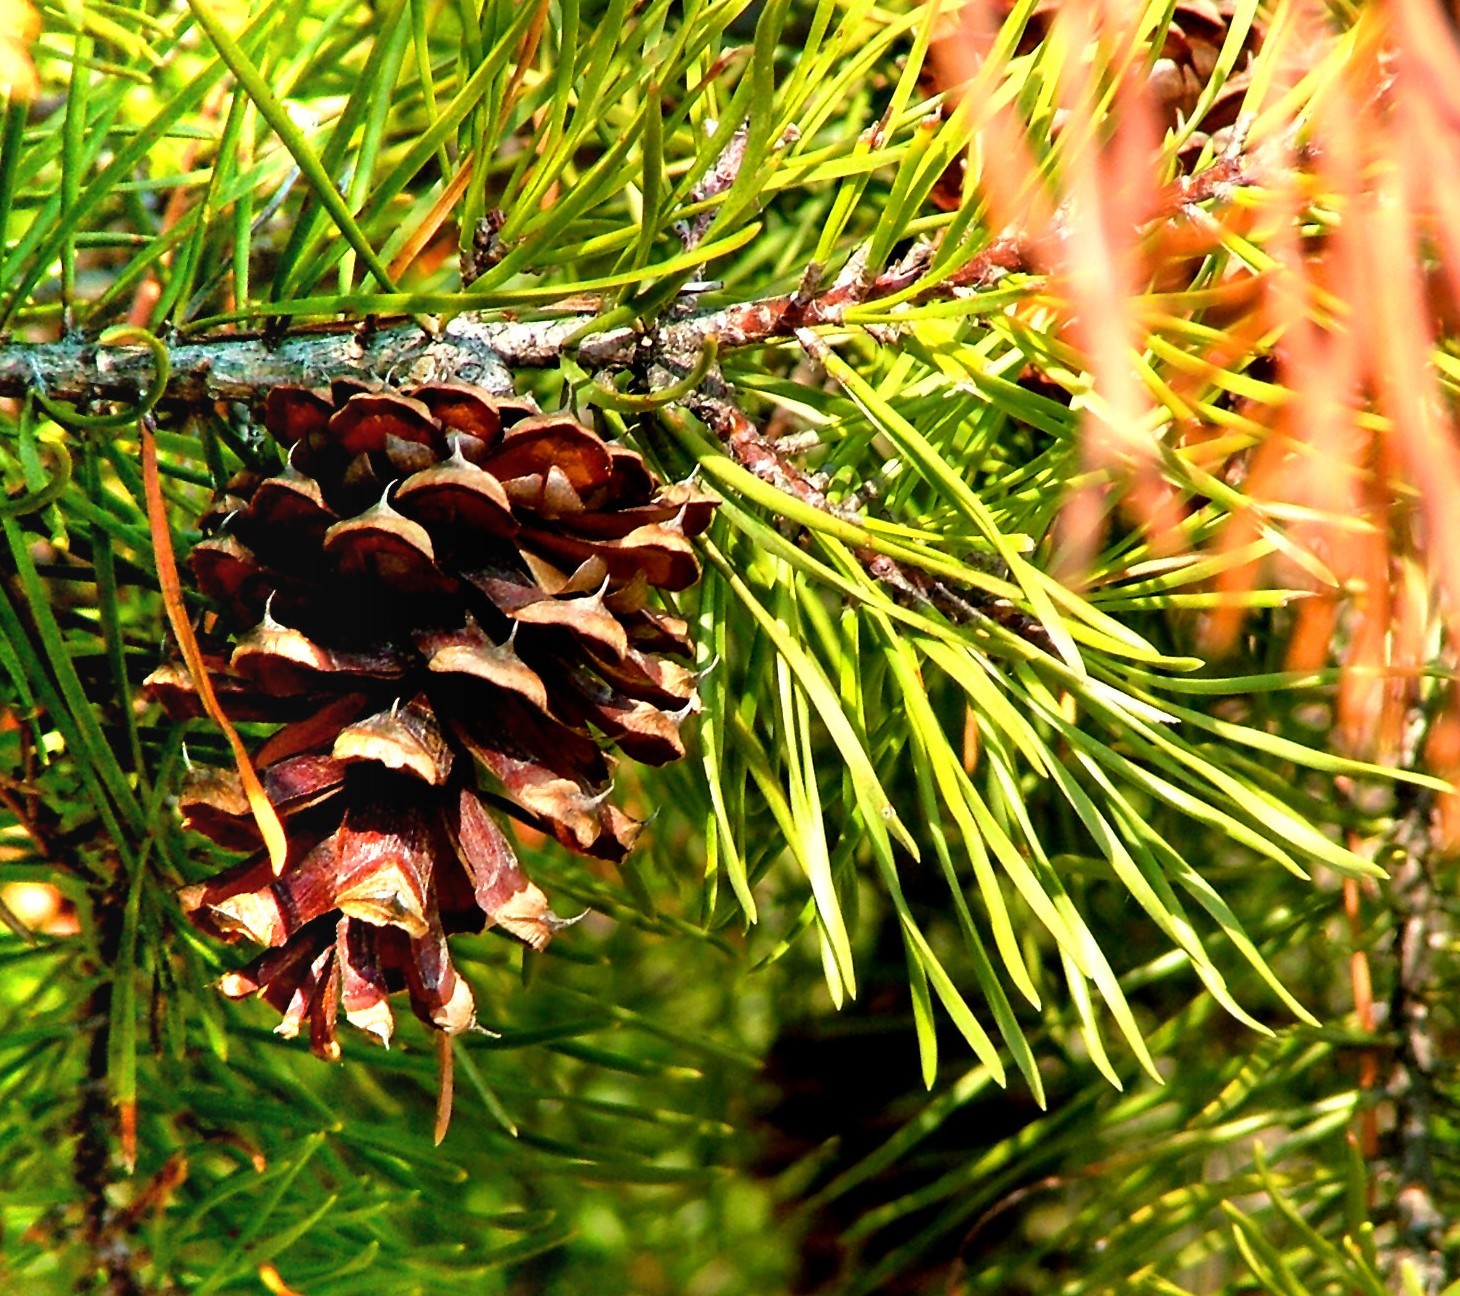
(445, 1090)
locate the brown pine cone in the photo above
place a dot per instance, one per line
(443, 600)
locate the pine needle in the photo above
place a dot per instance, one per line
(177, 615)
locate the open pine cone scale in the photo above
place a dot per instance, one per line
(443, 601)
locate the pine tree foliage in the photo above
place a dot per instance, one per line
(1071, 645)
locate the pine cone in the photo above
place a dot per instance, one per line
(440, 586)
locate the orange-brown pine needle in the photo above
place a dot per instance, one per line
(177, 615)
(127, 1122)
(274, 1282)
(433, 219)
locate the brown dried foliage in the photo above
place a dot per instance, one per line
(1318, 385)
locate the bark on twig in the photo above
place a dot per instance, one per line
(245, 368)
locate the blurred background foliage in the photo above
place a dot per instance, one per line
(1025, 932)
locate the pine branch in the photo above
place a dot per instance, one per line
(242, 367)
